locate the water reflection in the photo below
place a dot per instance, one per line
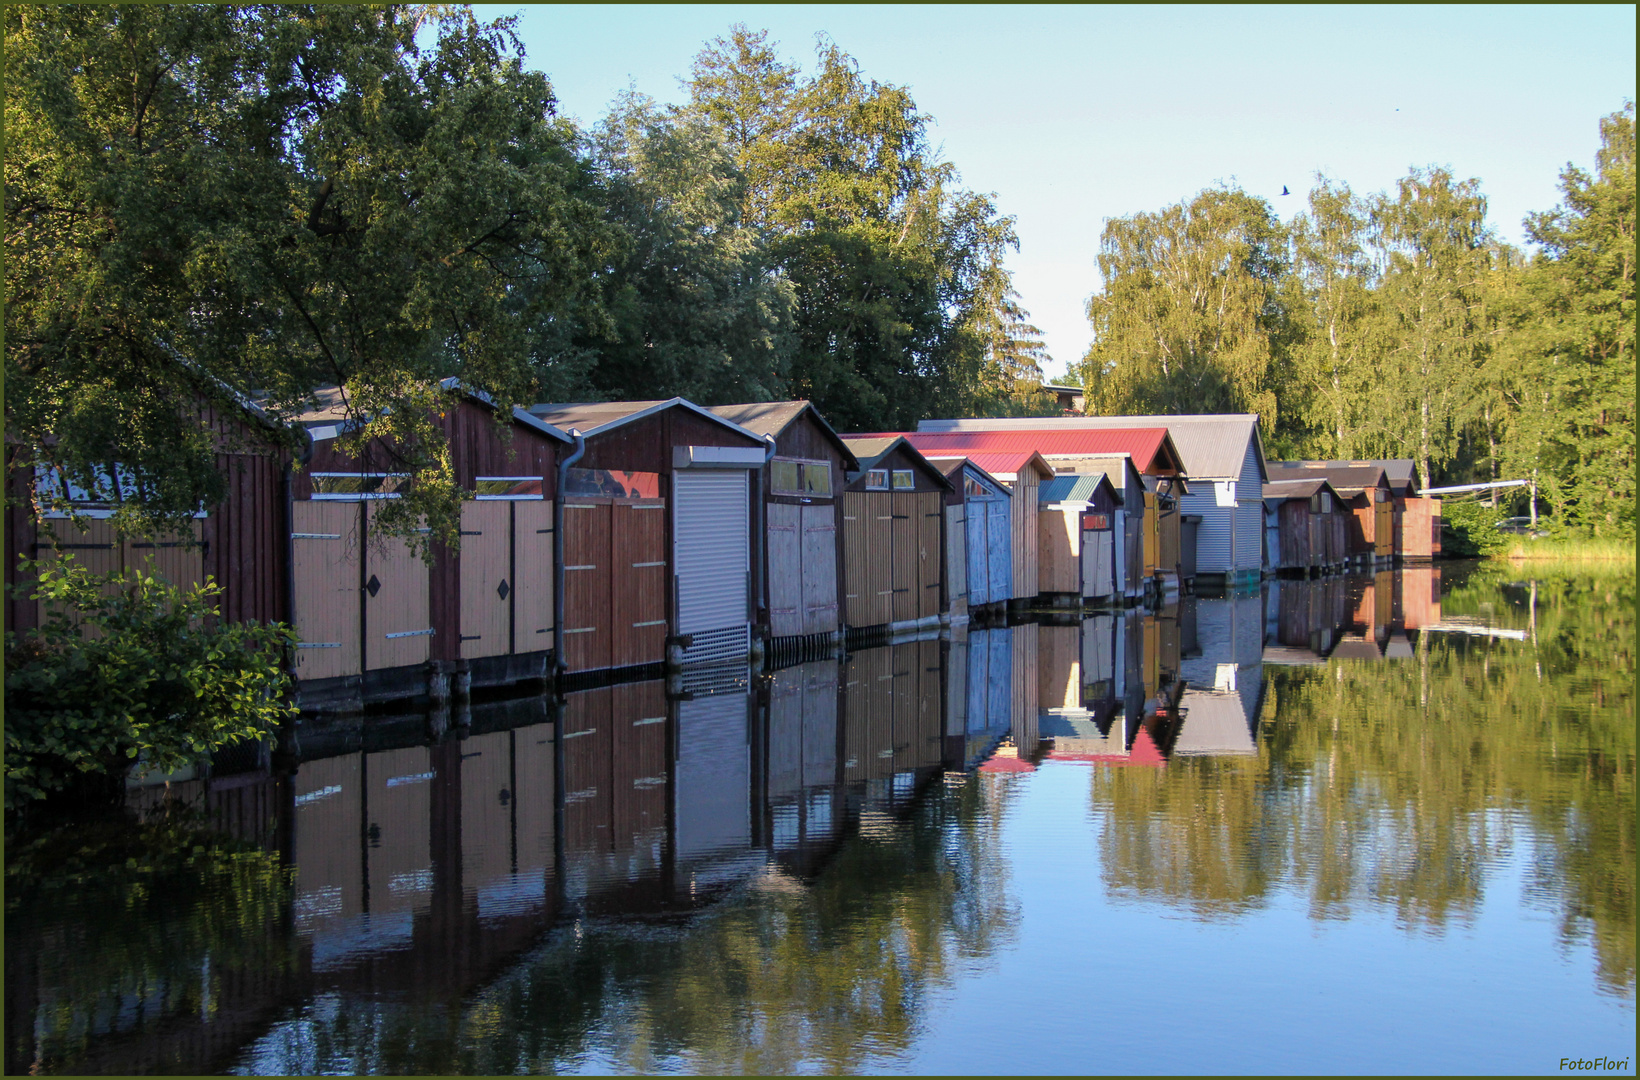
(784, 871)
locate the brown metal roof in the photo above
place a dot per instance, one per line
(1345, 479)
(773, 417)
(868, 451)
(1398, 471)
(594, 417)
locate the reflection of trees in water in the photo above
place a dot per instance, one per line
(85, 994)
(831, 974)
(1394, 784)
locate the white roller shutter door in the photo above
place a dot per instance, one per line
(712, 561)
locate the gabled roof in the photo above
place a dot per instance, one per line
(1003, 466)
(1277, 490)
(1151, 448)
(869, 450)
(1117, 469)
(1347, 480)
(1075, 487)
(328, 416)
(954, 465)
(1399, 471)
(773, 417)
(597, 417)
(1212, 447)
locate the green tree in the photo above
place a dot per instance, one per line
(1572, 343)
(1190, 318)
(1334, 271)
(895, 271)
(218, 203)
(696, 305)
(1433, 248)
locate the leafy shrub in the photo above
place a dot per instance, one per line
(153, 679)
(1469, 530)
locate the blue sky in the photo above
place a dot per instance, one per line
(1072, 115)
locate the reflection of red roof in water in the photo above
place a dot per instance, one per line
(1143, 752)
(1006, 759)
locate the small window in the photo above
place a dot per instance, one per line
(785, 477)
(817, 478)
(358, 485)
(976, 490)
(904, 480)
(876, 479)
(508, 487)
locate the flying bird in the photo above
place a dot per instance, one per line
(1284, 190)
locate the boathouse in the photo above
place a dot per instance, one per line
(1155, 531)
(1079, 513)
(1365, 493)
(893, 536)
(1303, 527)
(800, 488)
(374, 620)
(1223, 457)
(658, 546)
(979, 536)
(239, 542)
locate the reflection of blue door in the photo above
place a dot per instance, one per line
(999, 702)
(979, 679)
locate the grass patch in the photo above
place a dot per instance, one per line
(1571, 550)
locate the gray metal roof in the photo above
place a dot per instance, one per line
(1296, 489)
(1212, 447)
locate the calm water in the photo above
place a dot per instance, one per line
(1383, 824)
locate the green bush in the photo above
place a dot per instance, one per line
(156, 681)
(1469, 530)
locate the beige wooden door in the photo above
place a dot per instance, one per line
(486, 573)
(397, 629)
(533, 577)
(819, 569)
(96, 547)
(905, 542)
(786, 584)
(928, 518)
(325, 542)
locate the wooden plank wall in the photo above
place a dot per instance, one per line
(397, 606)
(1025, 524)
(956, 557)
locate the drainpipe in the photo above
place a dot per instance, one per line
(305, 456)
(762, 543)
(558, 550)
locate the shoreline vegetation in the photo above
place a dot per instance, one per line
(1571, 550)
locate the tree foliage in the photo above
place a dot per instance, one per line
(128, 669)
(222, 203)
(1393, 325)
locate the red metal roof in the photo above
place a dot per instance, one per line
(1143, 445)
(1000, 466)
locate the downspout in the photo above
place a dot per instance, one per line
(763, 486)
(289, 493)
(558, 550)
